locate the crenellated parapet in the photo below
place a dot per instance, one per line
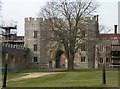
(31, 19)
(16, 56)
(13, 46)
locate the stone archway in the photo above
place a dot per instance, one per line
(58, 54)
(50, 64)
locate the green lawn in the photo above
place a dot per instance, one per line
(11, 76)
(14, 75)
(83, 77)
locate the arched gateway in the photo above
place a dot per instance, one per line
(59, 60)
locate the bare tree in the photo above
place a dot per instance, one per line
(104, 29)
(65, 20)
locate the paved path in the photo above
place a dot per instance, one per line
(33, 75)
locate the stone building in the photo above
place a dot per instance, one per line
(108, 45)
(42, 54)
(32, 40)
(34, 50)
(14, 54)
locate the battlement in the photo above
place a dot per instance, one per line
(14, 46)
(31, 19)
(94, 18)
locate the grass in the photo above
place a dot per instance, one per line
(84, 77)
(14, 75)
(11, 76)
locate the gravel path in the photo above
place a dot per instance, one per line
(33, 75)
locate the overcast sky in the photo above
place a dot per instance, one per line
(17, 10)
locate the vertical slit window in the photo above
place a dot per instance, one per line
(35, 34)
(35, 47)
(82, 47)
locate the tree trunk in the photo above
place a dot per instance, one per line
(71, 62)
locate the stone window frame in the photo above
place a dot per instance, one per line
(35, 59)
(107, 60)
(83, 47)
(35, 34)
(101, 60)
(83, 59)
(101, 48)
(35, 47)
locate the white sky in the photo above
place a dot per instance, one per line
(17, 10)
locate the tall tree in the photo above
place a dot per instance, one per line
(65, 21)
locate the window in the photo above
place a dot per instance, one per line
(101, 60)
(82, 47)
(35, 47)
(107, 60)
(82, 59)
(83, 34)
(35, 59)
(101, 48)
(12, 57)
(6, 56)
(24, 56)
(35, 34)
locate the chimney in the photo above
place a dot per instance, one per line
(115, 28)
